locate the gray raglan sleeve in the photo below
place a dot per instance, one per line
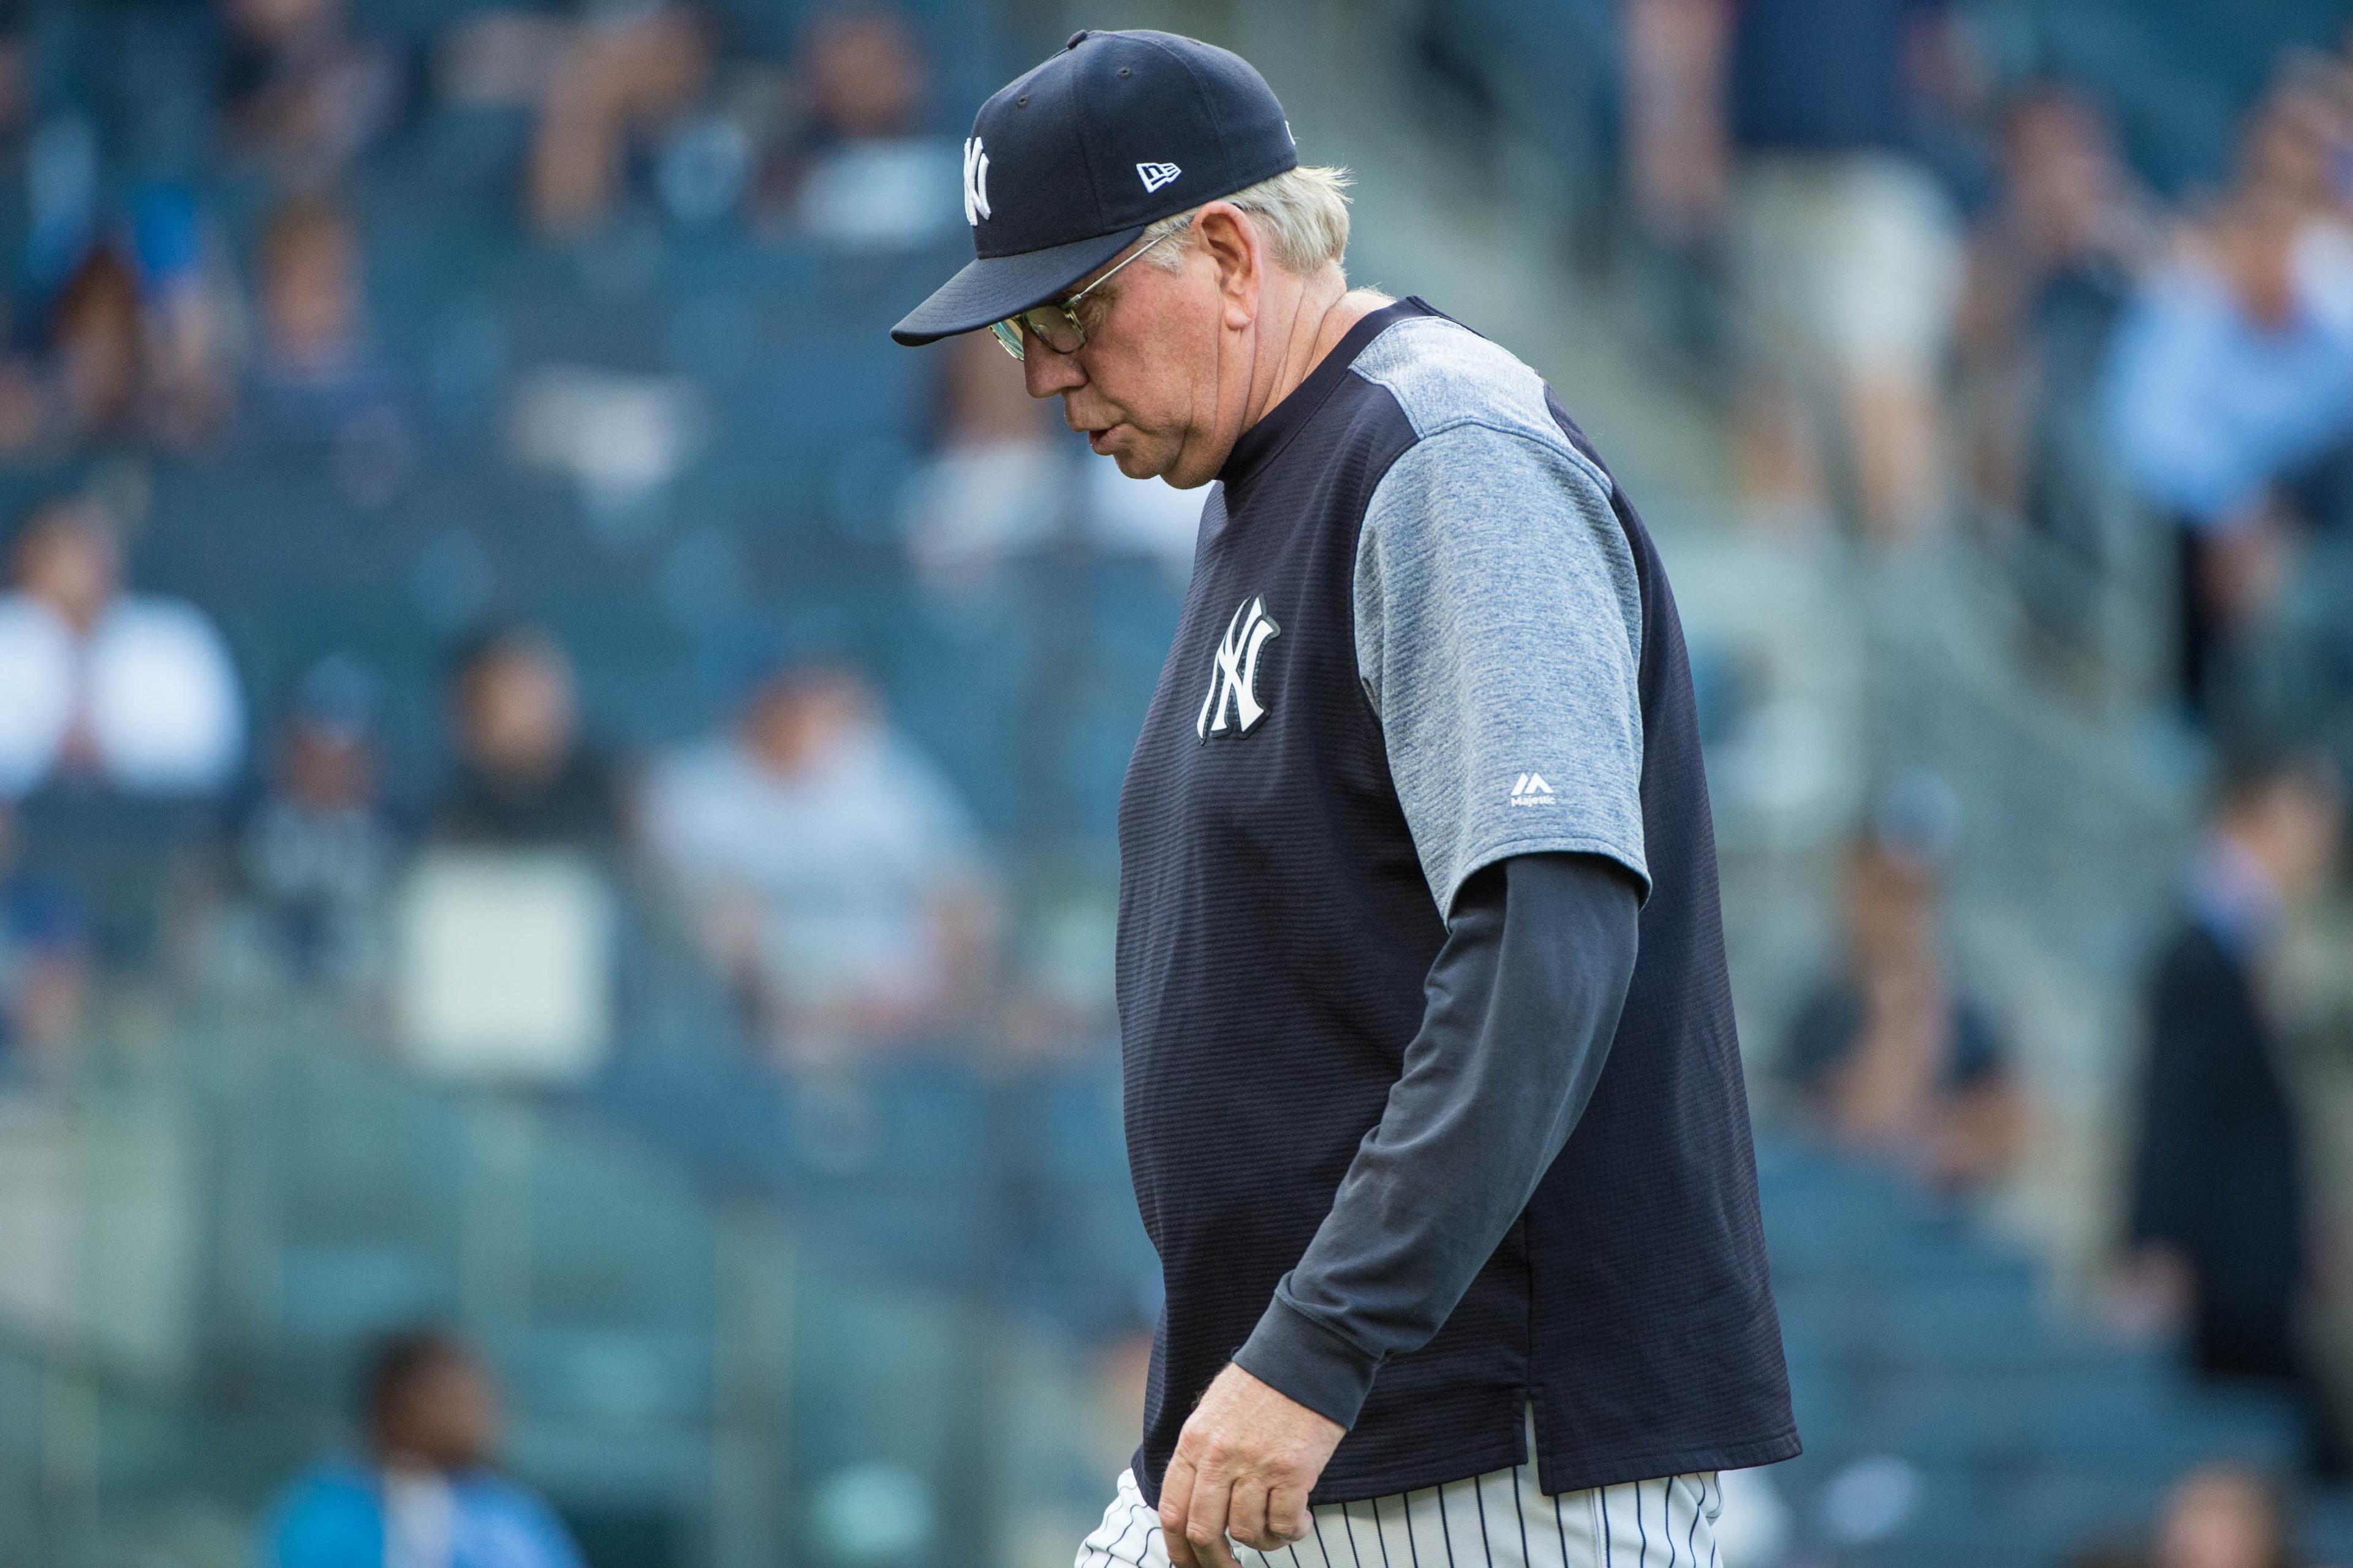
(1498, 620)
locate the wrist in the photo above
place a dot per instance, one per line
(1308, 1361)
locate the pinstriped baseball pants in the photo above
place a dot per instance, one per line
(1496, 1520)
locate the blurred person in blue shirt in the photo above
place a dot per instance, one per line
(826, 864)
(2232, 374)
(425, 1495)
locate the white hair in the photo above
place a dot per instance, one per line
(1301, 214)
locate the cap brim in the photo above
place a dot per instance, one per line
(995, 287)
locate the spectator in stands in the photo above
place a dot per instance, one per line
(829, 867)
(95, 336)
(190, 320)
(1888, 1054)
(866, 169)
(2234, 372)
(2220, 1217)
(127, 692)
(317, 375)
(524, 778)
(303, 91)
(137, 343)
(43, 963)
(2222, 1516)
(2050, 268)
(318, 852)
(617, 77)
(1792, 125)
(995, 488)
(425, 1496)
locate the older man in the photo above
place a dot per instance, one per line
(1434, 1104)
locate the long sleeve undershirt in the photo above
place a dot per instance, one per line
(1522, 1002)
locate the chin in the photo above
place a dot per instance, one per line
(1136, 464)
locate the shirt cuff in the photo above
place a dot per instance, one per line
(1301, 1359)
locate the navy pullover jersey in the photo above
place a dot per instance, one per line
(1277, 923)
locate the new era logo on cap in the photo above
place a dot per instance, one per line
(1157, 174)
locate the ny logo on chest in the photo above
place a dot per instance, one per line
(1232, 705)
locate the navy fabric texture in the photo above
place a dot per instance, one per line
(1276, 932)
(1523, 1001)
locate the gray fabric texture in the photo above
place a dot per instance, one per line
(1522, 1004)
(1498, 618)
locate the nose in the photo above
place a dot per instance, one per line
(1045, 372)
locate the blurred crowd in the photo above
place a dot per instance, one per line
(815, 855)
(195, 280)
(1951, 295)
(1952, 300)
(1956, 295)
(1956, 292)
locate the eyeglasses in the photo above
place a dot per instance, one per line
(1056, 324)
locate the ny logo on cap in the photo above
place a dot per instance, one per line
(976, 182)
(1157, 174)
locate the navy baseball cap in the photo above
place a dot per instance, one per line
(1070, 163)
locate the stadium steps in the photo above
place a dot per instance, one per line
(1914, 1336)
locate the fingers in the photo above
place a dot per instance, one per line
(1175, 1494)
(1267, 1517)
(1205, 1518)
(1246, 1514)
(1287, 1517)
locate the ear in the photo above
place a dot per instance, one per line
(1231, 245)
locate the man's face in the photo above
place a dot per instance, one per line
(447, 1417)
(802, 716)
(518, 713)
(70, 561)
(1148, 387)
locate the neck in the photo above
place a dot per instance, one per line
(1320, 311)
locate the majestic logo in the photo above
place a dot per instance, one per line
(976, 182)
(1531, 790)
(1235, 672)
(1155, 176)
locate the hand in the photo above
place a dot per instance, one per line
(1244, 1465)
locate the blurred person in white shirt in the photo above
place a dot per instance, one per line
(827, 866)
(132, 693)
(867, 171)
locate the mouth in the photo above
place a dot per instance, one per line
(1100, 439)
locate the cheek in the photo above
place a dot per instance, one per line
(1152, 381)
